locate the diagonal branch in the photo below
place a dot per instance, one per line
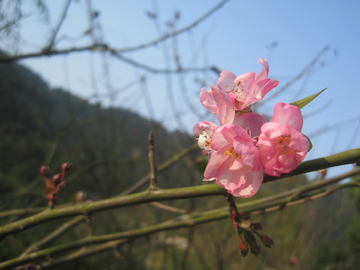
(174, 33)
(181, 222)
(56, 30)
(347, 157)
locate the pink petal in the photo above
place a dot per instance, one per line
(251, 185)
(273, 130)
(299, 142)
(226, 81)
(215, 162)
(239, 167)
(253, 121)
(286, 114)
(262, 88)
(218, 140)
(227, 178)
(249, 153)
(263, 74)
(244, 81)
(226, 112)
(205, 125)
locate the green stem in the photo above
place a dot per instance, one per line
(181, 222)
(342, 158)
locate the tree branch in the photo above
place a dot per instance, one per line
(342, 158)
(253, 208)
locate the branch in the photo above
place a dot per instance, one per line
(161, 168)
(175, 33)
(297, 77)
(56, 30)
(86, 209)
(180, 222)
(55, 234)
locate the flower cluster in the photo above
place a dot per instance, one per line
(246, 144)
(57, 184)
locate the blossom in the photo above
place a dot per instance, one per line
(247, 88)
(219, 103)
(282, 146)
(204, 131)
(235, 161)
(252, 122)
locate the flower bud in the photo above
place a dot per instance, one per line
(80, 196)
(267, 241)
(66, 166)
(30, 266)
(257, 226)
(57, 179)
(255, 249)
(293, 260)
(322, 173)
(44, 171)
(243, 248)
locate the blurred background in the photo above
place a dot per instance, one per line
(85, 81)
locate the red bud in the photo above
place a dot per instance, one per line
(243, 249)
(293, 260)
(57, 179)
(44, 171)
(267, 241)
(257, 226)
(66, 166)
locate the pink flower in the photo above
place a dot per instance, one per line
(251, 122)
(235, 162)
(204, 131)
(282, 146)
(219, 103)
(247, 88)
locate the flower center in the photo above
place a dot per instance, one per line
(230, 152)
(282, 143)
(204, 140)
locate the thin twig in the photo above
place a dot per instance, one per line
(51, 237)
(56, 30)
(297, 77)
(174, 33)
(161, 168)
(170, 208)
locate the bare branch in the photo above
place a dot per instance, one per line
(252, 208)
(175, 33)
(52, 236)
(297, 77)
(342, 158)
(56, 30)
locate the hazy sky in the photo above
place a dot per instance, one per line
(288, 33)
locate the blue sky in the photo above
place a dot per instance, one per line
(288, 33)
